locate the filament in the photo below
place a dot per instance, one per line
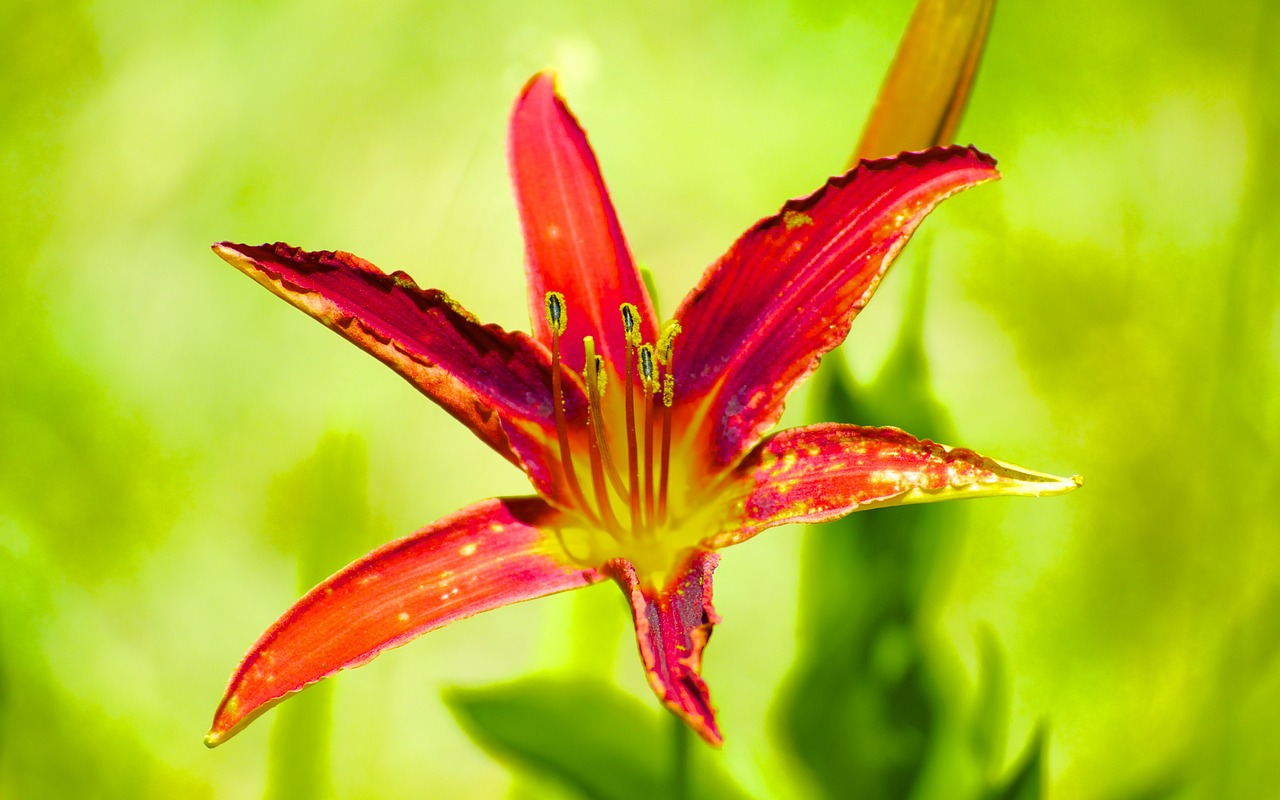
(556, 324)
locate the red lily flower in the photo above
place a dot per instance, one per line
(643, 442)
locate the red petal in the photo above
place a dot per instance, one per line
(573, 242)
(471, 370)
(788, 289)
(672, 627)
(924, 94)
(825, 471)
(482, 557)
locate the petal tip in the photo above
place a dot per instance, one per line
(214, 738)
(984, 157)
(1038, 484)
(711, 734)
(230, 252)
(545, 79)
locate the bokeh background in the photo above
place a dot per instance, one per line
(181, 453)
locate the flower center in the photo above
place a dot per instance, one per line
(625, 514)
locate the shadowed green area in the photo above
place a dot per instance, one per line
(872, 707)
(861, 710)
(1028, 781)
(607, 745)
(1110, 308)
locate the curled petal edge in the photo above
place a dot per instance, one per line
(496, 382)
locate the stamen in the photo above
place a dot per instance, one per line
(556, 324)
(666, 341)
(631, 332)
(668, 394)
(647, 375)
(666, 355)
(602, 492)
(595, 376)
(649, 383)
(602, 377)
(630, 324)
(555, 314)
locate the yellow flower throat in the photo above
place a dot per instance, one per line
(627, 515)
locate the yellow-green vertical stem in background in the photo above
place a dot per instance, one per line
(680, 738)
(320, 510)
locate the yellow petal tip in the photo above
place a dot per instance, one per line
(1041, 485)
(212, 739)
(1013, 480)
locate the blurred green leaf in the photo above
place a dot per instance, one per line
(602, 743)
(1026, 781)
(990, 725)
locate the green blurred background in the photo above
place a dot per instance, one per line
(181, 453)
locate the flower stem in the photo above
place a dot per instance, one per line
(680, 736)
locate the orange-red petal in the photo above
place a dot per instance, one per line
(496, 382)
(786, 292)
(488, 555)
(822, 472)
(573, 242)
(673, 625)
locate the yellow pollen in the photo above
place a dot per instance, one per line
(795, 219)
(666, 341)
(647, 372)
(555, 312)
(630, 323)
(601, 374)
(630, 502)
